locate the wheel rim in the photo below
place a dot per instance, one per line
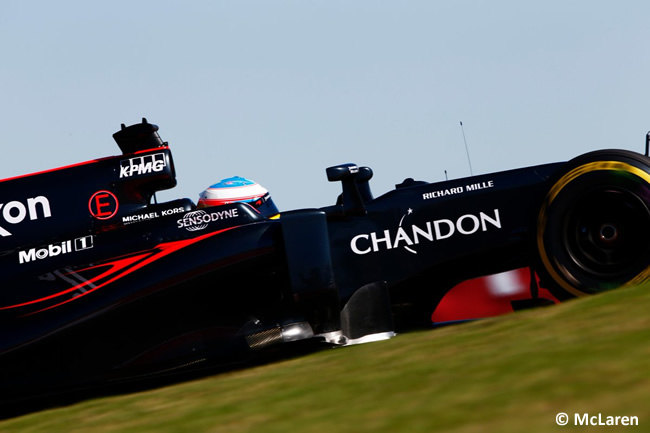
(606, 233)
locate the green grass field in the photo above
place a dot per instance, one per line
(508, 374)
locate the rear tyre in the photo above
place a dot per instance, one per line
(593, 230)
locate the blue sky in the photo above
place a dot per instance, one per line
(277, 91)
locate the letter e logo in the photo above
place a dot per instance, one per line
(103, 205)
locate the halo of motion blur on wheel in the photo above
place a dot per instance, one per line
(593, 230)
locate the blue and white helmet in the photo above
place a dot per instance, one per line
(239, 189)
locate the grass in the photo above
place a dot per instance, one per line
(508, 374)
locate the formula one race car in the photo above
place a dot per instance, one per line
(101, 283)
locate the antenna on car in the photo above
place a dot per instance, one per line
(466, 149)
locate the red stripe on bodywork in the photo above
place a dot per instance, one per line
(117, 269)
(81, 163)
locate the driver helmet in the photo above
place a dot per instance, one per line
(239, 189)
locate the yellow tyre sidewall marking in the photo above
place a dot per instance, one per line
(552, 194)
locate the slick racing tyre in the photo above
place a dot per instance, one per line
(593, 229)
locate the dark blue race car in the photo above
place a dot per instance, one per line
(101, 283)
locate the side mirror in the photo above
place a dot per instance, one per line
(354, 181)
(341, 172)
